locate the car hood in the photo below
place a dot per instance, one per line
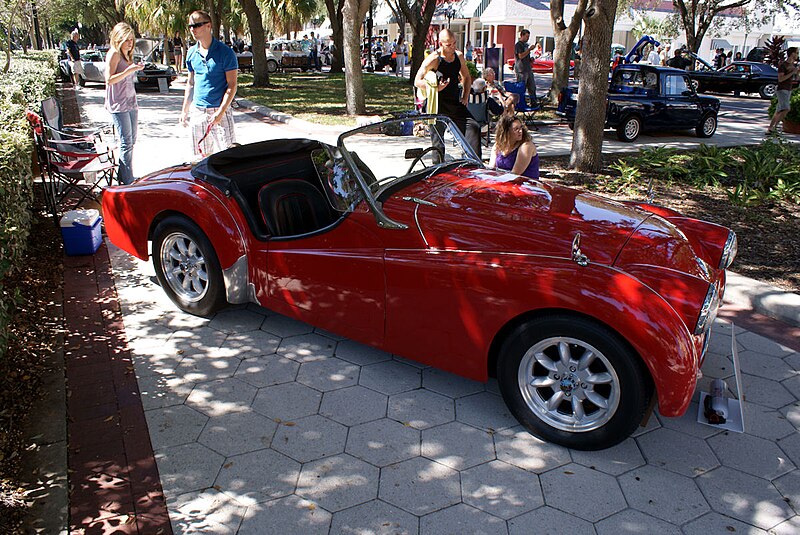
(486, 210)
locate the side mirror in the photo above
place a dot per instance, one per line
(414, 153)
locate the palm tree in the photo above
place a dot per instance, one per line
(285, 16)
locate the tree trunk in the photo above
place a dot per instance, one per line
(260, 74)
(420, 22)
(337, 36)
(590, 118)
(352, 15)
(564, 37)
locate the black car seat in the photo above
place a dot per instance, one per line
(291, 207)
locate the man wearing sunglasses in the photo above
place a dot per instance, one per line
(210, 89)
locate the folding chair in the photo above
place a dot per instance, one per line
(478, 107)
(54, 120)
(73, 169)
(522, 106)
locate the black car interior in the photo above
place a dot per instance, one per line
(276, 184)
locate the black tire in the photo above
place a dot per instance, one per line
(272, 66)
(629, 129)
(193, 281)
(707, 126)
(768, 91)
(626, 390)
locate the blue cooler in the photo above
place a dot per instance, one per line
(80, 230)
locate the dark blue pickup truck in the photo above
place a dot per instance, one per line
(648, 97)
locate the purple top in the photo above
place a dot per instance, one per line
(121, 97)
(507, 163)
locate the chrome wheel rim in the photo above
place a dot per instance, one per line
(569, 384)
(631, 129)
(709, 125)
(184, 267)
(770, 90)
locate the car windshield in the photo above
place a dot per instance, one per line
(342, 185)
(390, 152)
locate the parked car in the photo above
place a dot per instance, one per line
(289, 54)
(583, 308)
(738, 77)
(647, 97)
(540, 65)
(94, 66)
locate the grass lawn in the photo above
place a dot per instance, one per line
(320, 98)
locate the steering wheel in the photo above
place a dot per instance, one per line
(418, 159)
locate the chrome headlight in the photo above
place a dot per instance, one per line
(729, 251)
(709, 311)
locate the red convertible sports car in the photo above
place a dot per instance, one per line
(585, 309)
(539, 65)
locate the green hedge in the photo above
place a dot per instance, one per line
(794, 107)
(31, 79)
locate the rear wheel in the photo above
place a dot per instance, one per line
(767, 91)
(629, 129)
(187, 267)
(272, 66)
(573, 382)
(707, 126)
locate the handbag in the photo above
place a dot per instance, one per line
(394, 55)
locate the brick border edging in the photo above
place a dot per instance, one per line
(114, 483)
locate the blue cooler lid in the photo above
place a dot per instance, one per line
(82, 217)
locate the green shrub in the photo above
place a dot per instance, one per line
(794, 107)
(30, 80)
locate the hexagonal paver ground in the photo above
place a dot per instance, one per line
(375, 517)
(353, 405)
(518, 447)
(223, 396)
(617, 460)
(258, 476)
(485, 410)
(267, 370)
(390, 377)
(677, 452)
(237, 433)
(287, 402)
(582, 492)
(328, 374)
(634, 522)
(752, 455)
(457, 445)
(187, 467)
(383, 442)
(461, 518)
(549, 521)
(211, 509)
(748, 498)
(338, 482)
(171, 426)
(310, 438)
(307, 348)
(501, 489)
(420, 486)
(288, 516)
(663, 494)
(421, 409)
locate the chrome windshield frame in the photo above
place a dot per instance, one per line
(381, 218)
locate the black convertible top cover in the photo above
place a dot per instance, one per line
(213, 168)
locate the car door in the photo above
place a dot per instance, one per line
(734, 78)
(681, 102)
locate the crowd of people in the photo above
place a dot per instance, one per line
(443, 78)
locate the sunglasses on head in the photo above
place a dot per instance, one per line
(196, 25)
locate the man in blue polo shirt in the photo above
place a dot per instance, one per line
(210, 89)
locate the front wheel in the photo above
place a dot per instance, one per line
(272, 66)
(629, 129)
(573, 382)
(768, 91)
(187, 267)
(707, 126)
